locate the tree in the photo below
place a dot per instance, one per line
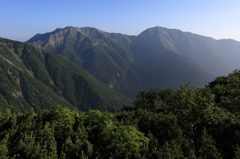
(227, 91)
(206, 147)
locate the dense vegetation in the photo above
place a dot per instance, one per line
(34, 77)
(188, 123)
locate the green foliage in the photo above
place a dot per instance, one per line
(227, 91)
(206, 147)
(237, 152)
(141, 132)
(60, 132)
(171, 150)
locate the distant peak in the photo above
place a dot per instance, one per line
(158, 27)
(69, 27)
(156, 30)
(83, 29)
(3, 38)
(90, 30)
(58, 29)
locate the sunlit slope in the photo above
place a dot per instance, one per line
(36, 77)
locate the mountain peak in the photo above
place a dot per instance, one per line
(57, 29)
(91, 30)
(157, 30)
(85, 30)
(69, 27)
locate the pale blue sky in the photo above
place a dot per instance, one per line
(22, 19)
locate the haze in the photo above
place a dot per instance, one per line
(20, 20)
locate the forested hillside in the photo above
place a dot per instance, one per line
(193, 123)
(34, 77)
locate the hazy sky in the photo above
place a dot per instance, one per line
(22, 19)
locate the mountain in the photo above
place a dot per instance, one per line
(106, 56)
(157, 57)
(215, 56)
(35, 77)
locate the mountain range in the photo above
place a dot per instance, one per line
(157, 57)
(86, 68)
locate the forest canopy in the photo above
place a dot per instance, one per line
(163, 123)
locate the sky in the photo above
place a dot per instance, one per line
(22, 19)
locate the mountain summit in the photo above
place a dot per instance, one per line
(211, 54)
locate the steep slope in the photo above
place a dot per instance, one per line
(36, 77)
(130, 63)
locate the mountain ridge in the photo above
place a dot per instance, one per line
(117, 59)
